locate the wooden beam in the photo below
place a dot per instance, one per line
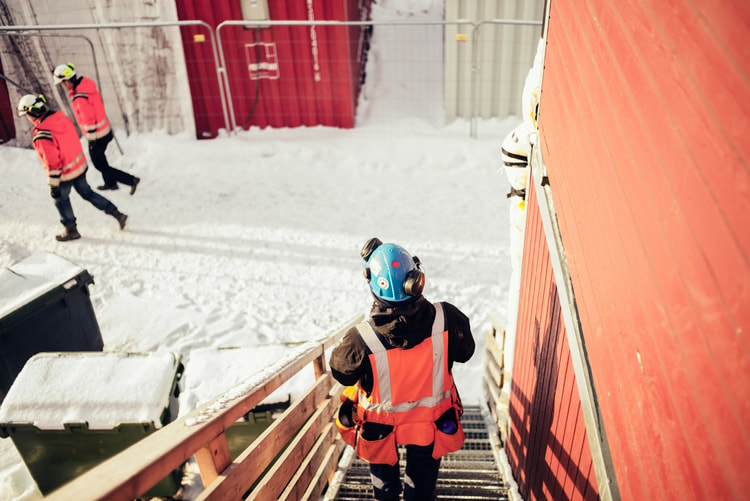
(494, 350)
(253, 461)
(213, 458)
(319, 364)
(328, 465)
(310, 464)
(277, 478)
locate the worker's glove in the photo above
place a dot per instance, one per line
(350, 393)
(54, 192)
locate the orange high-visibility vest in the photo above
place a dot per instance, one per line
(411, 388)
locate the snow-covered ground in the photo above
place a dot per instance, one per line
(253, 239)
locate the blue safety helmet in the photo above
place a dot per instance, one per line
(393, 274)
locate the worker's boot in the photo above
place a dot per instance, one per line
(121, 218)
(70, 233)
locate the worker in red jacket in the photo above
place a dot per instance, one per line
(92, 119)
(397, 367)
(56, 142)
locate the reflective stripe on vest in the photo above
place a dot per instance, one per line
(383, 399)
(73, 169)
(102, 128)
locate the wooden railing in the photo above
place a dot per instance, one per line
(293, 459)
(496, 380)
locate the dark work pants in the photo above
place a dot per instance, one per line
(67, 217)
(420, 477)
(111, 176)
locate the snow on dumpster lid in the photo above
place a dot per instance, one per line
(99, 388)
(30, 278)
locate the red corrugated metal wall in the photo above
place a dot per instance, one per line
(644, 117)
(547, 447)
(7, 127)
(201, 66)
(280, 76)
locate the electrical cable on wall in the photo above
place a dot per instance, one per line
(257, 81)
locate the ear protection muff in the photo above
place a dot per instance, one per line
(367, 251)
(415, 279)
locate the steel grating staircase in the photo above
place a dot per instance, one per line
(471, 474)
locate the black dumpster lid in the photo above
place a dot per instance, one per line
(35, 276)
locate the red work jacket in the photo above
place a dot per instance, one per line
(56, 142)
(89, 109)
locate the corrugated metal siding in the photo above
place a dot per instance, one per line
(644, 116)
(207, 107)
(547, 447)
(307, 75)
(504, 55)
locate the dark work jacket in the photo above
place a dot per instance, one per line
(399, 327)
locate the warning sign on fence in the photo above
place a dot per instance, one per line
(262, 61)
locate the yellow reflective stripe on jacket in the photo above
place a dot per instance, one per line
(74, 168)
(73, 163)
(102, 128)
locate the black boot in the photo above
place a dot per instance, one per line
(134, 185)
(121, 218)
(70, 233)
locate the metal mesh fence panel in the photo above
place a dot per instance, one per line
(139, 71)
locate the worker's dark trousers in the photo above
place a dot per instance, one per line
(419, 481)
(111, 175)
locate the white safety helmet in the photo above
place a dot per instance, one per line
(64, 72)
(33, 105)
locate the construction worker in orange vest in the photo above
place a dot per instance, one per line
(397, 370)
(92, 119)
(56, 142)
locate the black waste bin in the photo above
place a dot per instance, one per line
(67, 412)
(44, 306)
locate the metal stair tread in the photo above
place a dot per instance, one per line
(470, 473)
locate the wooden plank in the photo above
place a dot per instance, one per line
(213, 458)
(494, 350)
(324, 476)
(236, 479)
(319, 364)
(494, 372)
(309, 466)
(274, 481)
(492, 390)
